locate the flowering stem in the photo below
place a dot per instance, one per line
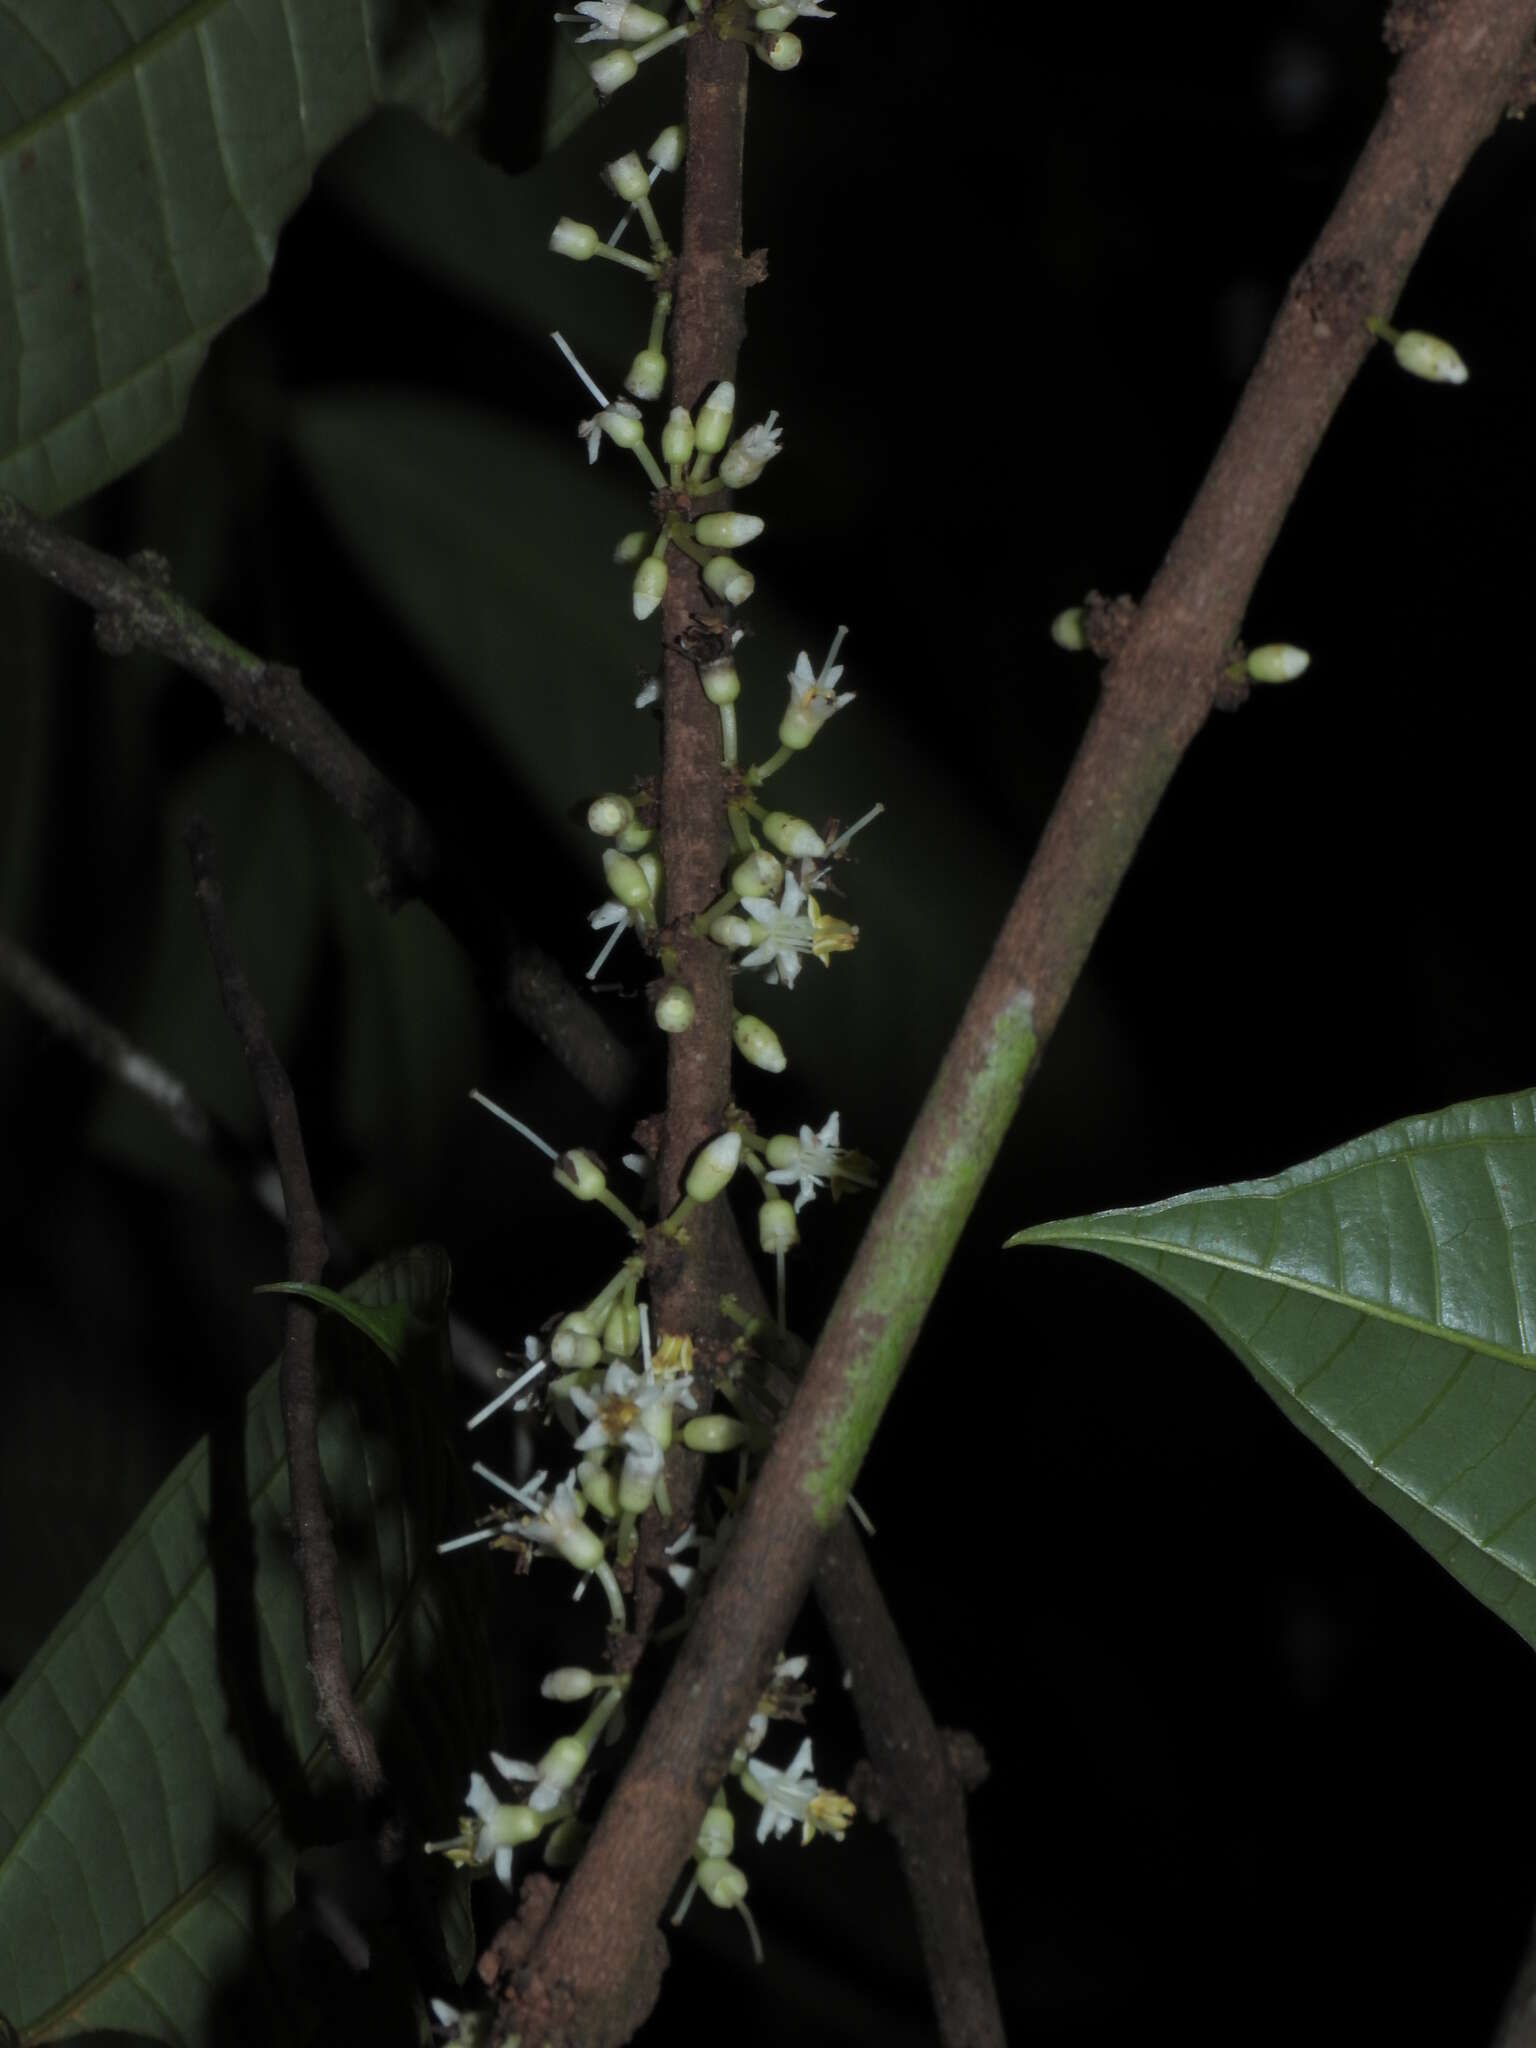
(728, 735)
(652, 468)
(740, 831)
(719, 908)
(769, 767)
(659, 314)
(643, 264)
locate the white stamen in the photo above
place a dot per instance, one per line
(518, 1494)
(462, 1542)
(507, 1117)
(506, 1394)
(837, 640)
(570, 356)
(645, 1335)
(858, 825)
(608, 945)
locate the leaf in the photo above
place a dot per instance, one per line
(151, 157)
(1385, 1295)
(391, 1327)
(160, 1761)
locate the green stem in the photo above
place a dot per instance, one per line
(659, 315)
(769, 767)
(728, 735)
(643, 264)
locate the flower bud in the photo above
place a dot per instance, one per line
(635, 837)
(731, 931)
(617, 68)
(717, 1833)
(580, 1175)
(575, 1346)
(781, 51)
(628, 177)
(622, 428)
(599, 1488)
(1426, 355)
(674, 1008)
(728, 529)
(621, 1332)
(626, 880)
(677, 436)
(758, 1044)
(649, 865)
(564, 1761)
(758, 875)
(777, 1230)
(712, 428)
(667, 150)
(569, 1683)
(637, 1485)
(609, 813)
(573, 238)
(632, 546)
(649, 587)
(1277, 663)
(783, 1150)
(799, 726)
(715, 1433)
(726, 578)
(580, 1546)
(721, 683)
(647, 374)
(791, 835)
(565, 1844)
(711, 1172)
(1069, 629)
(774, 16)
(721, 1882)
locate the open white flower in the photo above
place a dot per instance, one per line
(817, 1160)
(490, 1831)
(813, 695)
(796, 924)
(793, 1799)
(592, 431)
(634, 1409)
(615, 21)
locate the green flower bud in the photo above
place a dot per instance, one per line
(563, 1845)
(728, 529)
(783, 1150)
(573, 238)
(777, 1230)
(599, 1488)
(677, 436)
(616, 69)
(569, 1682)
(758, 875)
(726, 578)
(609, 813)
(711, 1172)
(1426, 355)
(626, 880)
(791, 835)
(773, 17)
(637, 1488)
(564, 1761)
(721, 683)
(635, 838)
(649, 865)
(628, 176)
(730, 931)
(799, 726)
(715, 1433)
(758, 1044)
(579, 1174)
(647, 374)
(1069, 629)
(667, 149)
(632, 547)
(717, 1833)
(674, 1008)
(780, 52)
(713, 426)
(649, 587)
(575, 1350)
(1277, 663)
(622, 428)
(621, 1332)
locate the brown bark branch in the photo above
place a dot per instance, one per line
(135, 608)
(1443, 100)
(314, 1547)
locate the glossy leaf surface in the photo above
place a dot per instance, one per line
(1385, 1295)
(149, 156)
(160, 1760)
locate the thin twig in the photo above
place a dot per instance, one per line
(135, 608)
(1445, 97)
(314, 1547)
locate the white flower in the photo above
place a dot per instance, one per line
(817, 1160)
(796, 924)
(784, 1698)
(813, 695)
(591, 431)
(615, 20)
(750, 453)
(620, 917)
(793, 1799)
(634, 1409)
(502, 1827)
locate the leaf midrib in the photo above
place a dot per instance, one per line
(1046, 1233)
(186, 22)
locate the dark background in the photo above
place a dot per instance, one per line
(1258, 1765)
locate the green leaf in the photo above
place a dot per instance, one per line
(151, 157)
(160, 1761)
(392, 1327)
(1385, 1295)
